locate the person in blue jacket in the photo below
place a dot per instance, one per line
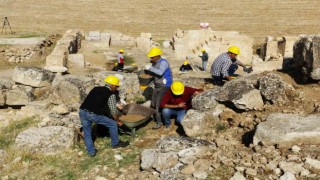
(162, 74)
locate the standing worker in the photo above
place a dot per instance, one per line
(204, 58)
(162, 74)
(101, 107)
(177, 101)
(225, 65)
(120, 60)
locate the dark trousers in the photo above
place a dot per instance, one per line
(120, 66)
(157, 95)
(218, 80)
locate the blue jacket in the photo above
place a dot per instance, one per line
(162, 73)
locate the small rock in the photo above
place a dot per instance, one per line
(200, 175)
(288, 176)
(295, 149)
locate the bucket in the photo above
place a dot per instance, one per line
(144, 79)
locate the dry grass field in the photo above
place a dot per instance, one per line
(162, 18)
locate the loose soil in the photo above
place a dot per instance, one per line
(131, 118)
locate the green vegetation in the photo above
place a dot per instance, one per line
(97, 51)
(68, 164)
(219, 127)
(30, 35)
(9, 133)
(128, 60)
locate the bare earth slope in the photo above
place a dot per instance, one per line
(162, 18)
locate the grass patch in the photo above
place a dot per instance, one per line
(128, 60)
(67, 164)
(9, 133)
(219, 127)
(30, 35)
(98, 51)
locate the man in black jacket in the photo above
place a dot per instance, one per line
(101, 107)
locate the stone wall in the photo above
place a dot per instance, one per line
(68, 44)
(188, 43)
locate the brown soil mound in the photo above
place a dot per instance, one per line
(131, 118)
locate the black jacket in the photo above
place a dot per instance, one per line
(97, 100)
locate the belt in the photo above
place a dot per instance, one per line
(87, 111)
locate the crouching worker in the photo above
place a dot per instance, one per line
(176, 102)
(115, 67)
(185, 67)
(100, 107)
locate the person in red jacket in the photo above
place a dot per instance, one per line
(176, 102)
(120, 60)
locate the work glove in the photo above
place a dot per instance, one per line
(247, 69)
(147, 66)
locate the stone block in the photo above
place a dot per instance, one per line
(56, 60)
(18, 97)
(47, 140)
(287, 130)
(32, 76)
(94, 35)
(144, 43)
(76, 60)
(60, 50)
(105, 37)
(56, 69)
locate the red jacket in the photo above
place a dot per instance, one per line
(170, 98)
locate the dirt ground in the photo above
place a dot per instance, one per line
(254, 18)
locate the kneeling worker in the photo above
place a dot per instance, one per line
(225, 65)
(185, 67)
(176, 102)
(100, 107)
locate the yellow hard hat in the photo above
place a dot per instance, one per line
(154, 52)
(177, 88)
(121, 51)
(113, 80)
(143, 87)
(116, 64)
(185, 62)
(234, 50)
(203, 50)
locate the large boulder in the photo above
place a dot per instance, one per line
(205, 100)
(47, 140)
(197, 123)
(32, 76)
(19, 96)
(5, 84)
(306, 56)
(242, 94)
(287, 130)
(273, 88)
(70, 90)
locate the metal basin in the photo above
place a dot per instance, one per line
(136, 109)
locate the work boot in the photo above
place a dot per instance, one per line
(121, 144)
(167, 127)
(157, 126)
